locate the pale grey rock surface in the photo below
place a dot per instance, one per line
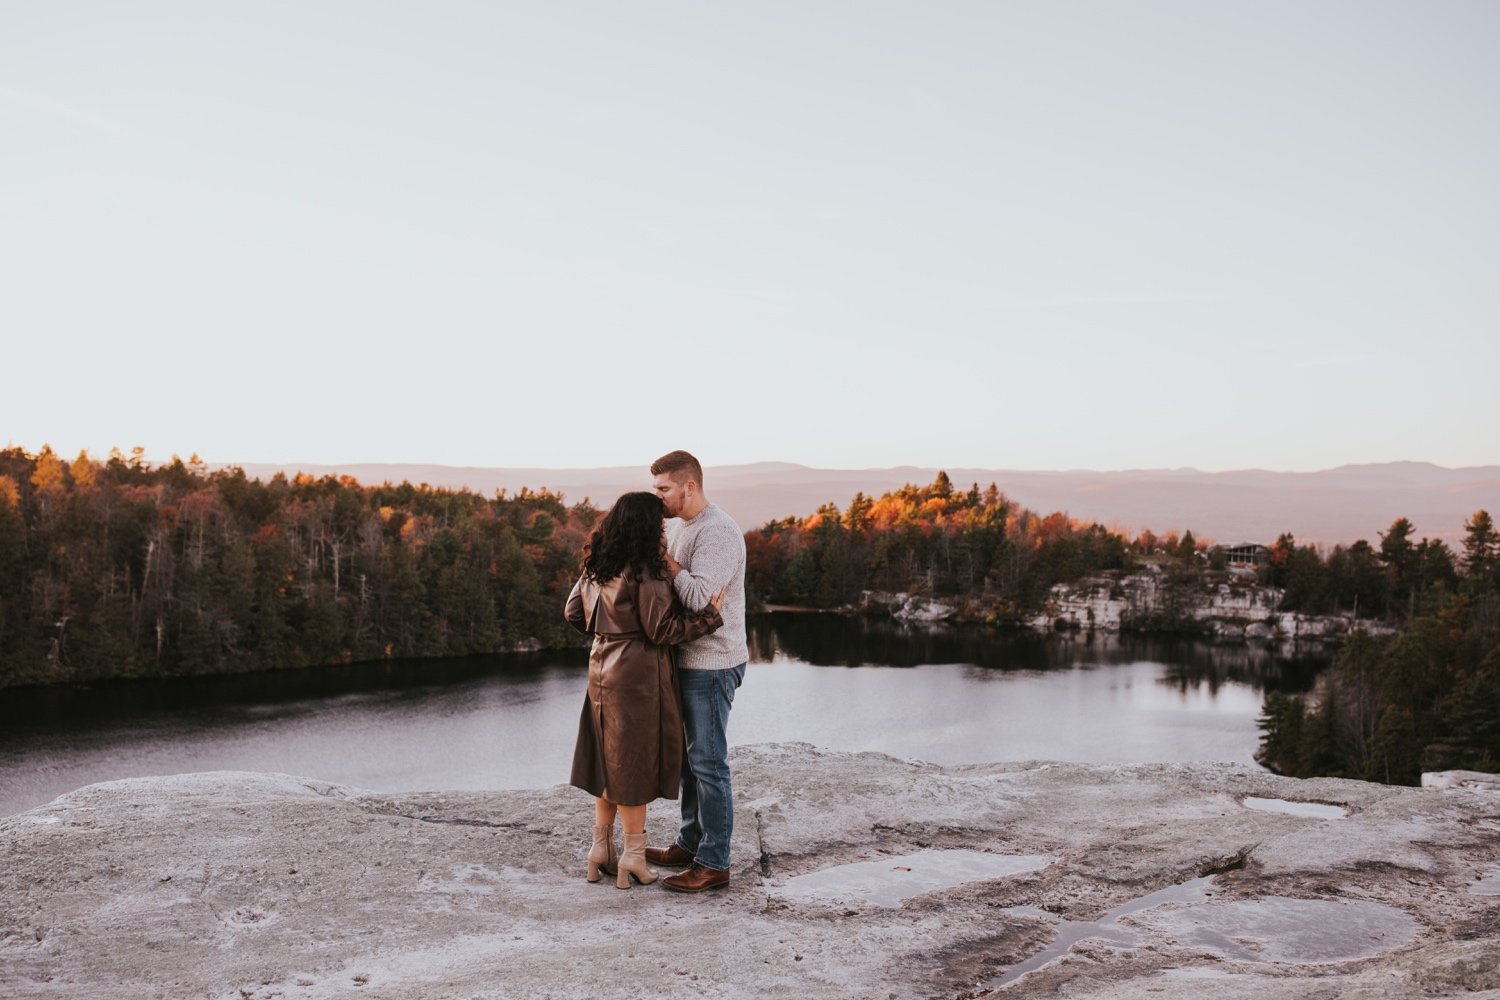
(1112, 601)
(1481, 781)
(240, 886)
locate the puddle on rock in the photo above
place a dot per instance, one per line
(890, 880)
(1275, 929)
(1310, 810)
(1489, 885)
(1287, 931)
(1106, 928)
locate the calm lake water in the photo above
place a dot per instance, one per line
(944, 694)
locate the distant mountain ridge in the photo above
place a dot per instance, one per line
(1338, 505)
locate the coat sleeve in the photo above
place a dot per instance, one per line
(664, 620)
(574, 610)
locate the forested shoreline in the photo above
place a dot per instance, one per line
(935, 539)
(1427, 698)
(118, 568)
(999, 560)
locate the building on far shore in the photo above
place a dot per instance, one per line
(1247, 554)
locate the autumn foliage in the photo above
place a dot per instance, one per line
(118, 568)
(972, 544)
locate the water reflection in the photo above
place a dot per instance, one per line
(833, 640)
(279, 693)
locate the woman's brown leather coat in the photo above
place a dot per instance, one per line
(630, 739)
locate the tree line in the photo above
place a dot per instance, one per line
(1401, 578)
(975, 545)
(999, 560)
(118, 568)
(1426, 699)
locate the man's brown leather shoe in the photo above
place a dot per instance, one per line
(696, 879)
(669, 857)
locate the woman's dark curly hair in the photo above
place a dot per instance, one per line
(628, 539)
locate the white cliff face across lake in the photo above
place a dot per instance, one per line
(942, 694)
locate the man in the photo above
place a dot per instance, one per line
(705, 554)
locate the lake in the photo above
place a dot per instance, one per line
(949, 694)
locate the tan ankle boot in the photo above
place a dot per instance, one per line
(633, 862)
(603, 856)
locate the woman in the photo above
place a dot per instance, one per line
(629, 747)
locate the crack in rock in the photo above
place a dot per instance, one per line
(468, 821)
(760, 842)
(1227, 863)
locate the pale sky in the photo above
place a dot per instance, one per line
(997, 234)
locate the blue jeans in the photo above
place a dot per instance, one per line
(707, 796)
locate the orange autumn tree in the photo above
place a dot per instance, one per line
(934, 539)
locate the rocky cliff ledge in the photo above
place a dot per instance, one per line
(1146, 601)
(856, 875)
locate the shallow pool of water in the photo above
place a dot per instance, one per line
(1309, 810)
(1286, 931)
(1274, 929)
(1106, 928)
(1489, 885)
(888, 881)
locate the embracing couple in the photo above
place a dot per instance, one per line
(666, 608)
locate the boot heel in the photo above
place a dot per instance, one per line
(602, 856)
(633, 862)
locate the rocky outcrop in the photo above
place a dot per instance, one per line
(856, 875)
(1146, 601)
(1478, 780)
